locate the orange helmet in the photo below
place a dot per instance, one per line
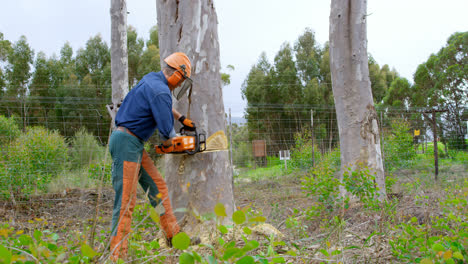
(181, 63)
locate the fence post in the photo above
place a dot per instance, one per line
(436, 147)
(312, 131)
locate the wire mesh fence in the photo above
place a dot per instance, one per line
(309, 133)
(52, 143)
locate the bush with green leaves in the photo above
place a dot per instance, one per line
(101, 169)
(301, 153)
(398, 146)
(9, 130)
(33, 159)
(444, 239)
(85, 149)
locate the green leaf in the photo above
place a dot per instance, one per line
(232, 252)
(449, 261)
(196, 257)
(335, 252)
(238, 217)
(87, 251)
(223, 229)
(438, 247)
(154, 244)
(25, 240)
(186, 258)
(426, 261)
(5, 255)
(246, 260)
(257, 219)
(37, 235)
(251, 245)
(458, 255)
(247, 230)
(154, 215)
(278, 260)
(324, 252)
(220, 210)
(52, 247)
(212, 260)
(230, 244)
(181, 241)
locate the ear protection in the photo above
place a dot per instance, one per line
(175, 78)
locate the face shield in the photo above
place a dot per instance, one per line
(180, 90)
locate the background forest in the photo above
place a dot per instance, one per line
(54, 129)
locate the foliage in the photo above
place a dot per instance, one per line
(440, 82)
(241, 147)
(33, 159)
(9, 130)
(85, 149)
(301, 153)
(299, 75)
(444, 239)
(101, 169)
(398, 146)
(323, 185)
(69, 91)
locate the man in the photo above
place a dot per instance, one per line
(147, 107)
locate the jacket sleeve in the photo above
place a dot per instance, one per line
(161, 107)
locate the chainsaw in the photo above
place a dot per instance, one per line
(189, 142)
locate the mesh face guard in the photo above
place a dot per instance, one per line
(182, 89)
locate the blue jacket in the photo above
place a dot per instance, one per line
(148, 106)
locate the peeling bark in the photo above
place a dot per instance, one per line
(356, 115)
(119, 54)
(200, 181)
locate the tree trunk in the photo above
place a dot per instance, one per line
(197, 182)
(356, 115)
(119, 55)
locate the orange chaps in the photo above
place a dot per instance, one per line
(132, 165)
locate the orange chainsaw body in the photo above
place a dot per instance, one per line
(185, 143)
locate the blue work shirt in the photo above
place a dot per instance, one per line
(148, 106)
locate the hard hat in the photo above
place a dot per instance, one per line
(181, 63)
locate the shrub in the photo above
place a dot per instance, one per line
(443, 240)
(85, 149)
(398, 146)
(301, 153)
(242, 154)
(33, 159)
(9, 130)
(96, 170)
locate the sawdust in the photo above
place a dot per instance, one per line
(217, 141)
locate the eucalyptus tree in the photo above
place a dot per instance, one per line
(442, 82)
(5, 48)
(357, 117)
(135, 46)
(18, 73)
(200, 181)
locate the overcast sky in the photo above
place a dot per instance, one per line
(401, 33)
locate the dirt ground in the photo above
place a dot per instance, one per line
(276, 199)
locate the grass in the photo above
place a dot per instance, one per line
(425, 217)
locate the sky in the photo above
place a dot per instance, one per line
(400, 33)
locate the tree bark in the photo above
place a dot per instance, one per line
(356, 115)
(197, 182)
(119, 54)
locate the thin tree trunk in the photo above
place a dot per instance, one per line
(197, 182)
(119, 53)
(356, 115)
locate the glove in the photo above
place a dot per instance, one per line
(188, 124)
